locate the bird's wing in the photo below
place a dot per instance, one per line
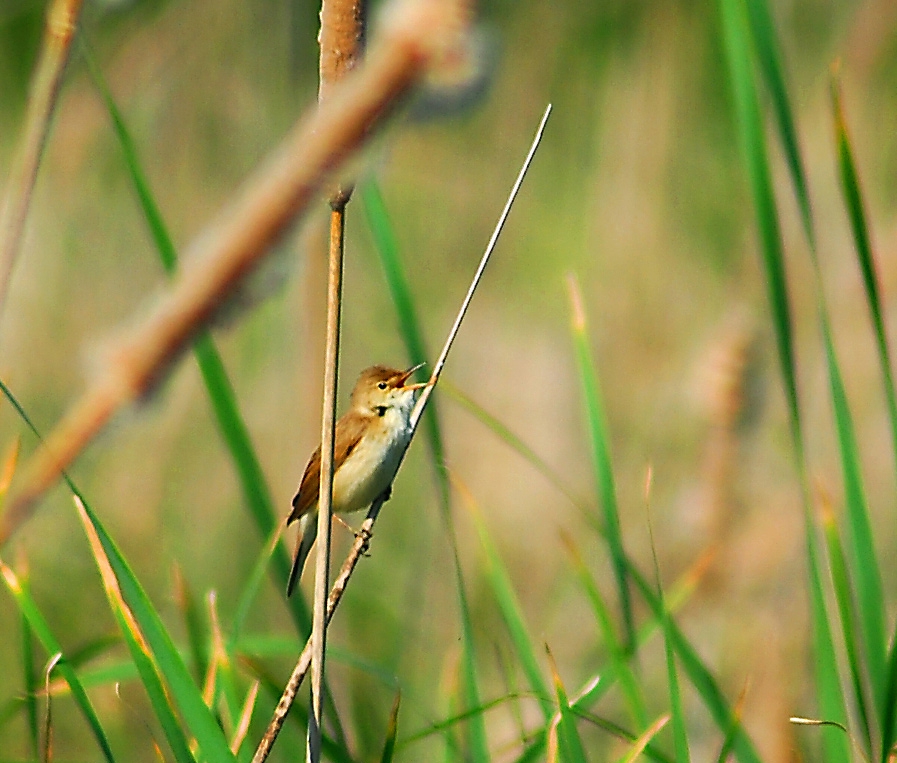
(307, 496)
(348, 433)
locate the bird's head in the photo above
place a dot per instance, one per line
(380, 388)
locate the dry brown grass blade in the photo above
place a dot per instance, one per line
(62, 20)
(243, 722)
(645, 738)
(416, 34)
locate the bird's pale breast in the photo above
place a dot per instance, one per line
(372, 465)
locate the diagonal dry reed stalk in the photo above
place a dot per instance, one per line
(416, 35)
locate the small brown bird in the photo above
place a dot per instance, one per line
(369, 440)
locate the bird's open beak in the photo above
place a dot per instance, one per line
(400, 382)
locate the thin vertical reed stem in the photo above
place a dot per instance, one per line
(342, 29)
(325, 499)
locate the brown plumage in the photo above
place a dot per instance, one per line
(369, 441)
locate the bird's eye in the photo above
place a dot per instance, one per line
(381, 385)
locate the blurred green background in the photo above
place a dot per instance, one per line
(638, 189)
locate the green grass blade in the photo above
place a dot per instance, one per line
(831, 700)
(194, 624)
(769, 60)
(641, 744)
(445, 724)
(387, 247)
(680, 738)
(389, 745)
(188, 697)
(750, 131)
(569, 742)
(699, 676)
(603, 468)
(850, 186)
(251, 589)
(509, 606)
(30, 684)
(252, 480)
(226, 673)
(844, 598)
(864, 563)
(143, 661)
(619, 667)
(41, 629)
(596, 689)
(29, 676)
(648, 749)
(536, 750)
(853, 198)
(476, 726)
(509, 438)
(889, 720)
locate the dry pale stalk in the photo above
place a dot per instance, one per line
(62, 21)
(342, 29)
(415, 33)
(359, 548)
(325, 494)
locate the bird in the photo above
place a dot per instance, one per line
(369, 441)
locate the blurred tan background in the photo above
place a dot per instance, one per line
(638, 190)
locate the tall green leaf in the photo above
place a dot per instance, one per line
(41, 629)
(699, 676)
(503, 590)
(143, 660)
(392, 729)
(738, 45)
(171, 666)
(568, 739)
(853, 198)
(476, 727)
(844, 597)
(864, 562)
(677, 715)
(770, 60)
(30, 684)
(603, 468)
(753, 144)
(618, 668)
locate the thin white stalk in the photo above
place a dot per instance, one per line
(437, 368)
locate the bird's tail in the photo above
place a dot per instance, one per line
(308, 531)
